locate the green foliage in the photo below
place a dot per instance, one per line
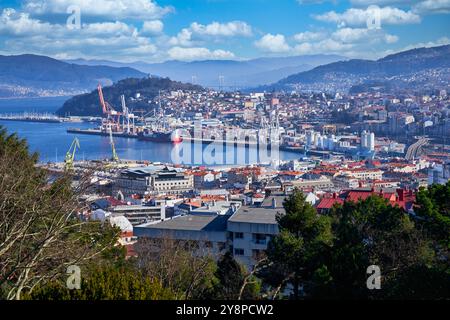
(433, 206)
(372, 232)
(231, 277)
(185, 267)
(106, 283)
(88, 104)
(298, 250)
(420, 282)
(331, 262)
(40, 232)
(326, 256)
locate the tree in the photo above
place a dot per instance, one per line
(331, 262)
(372, 232)
(40, 231)
(294, 255)
(185, 267)
(106, 283)
(232, 281)
(420, 282)
(433, 209)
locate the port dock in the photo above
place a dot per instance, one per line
(98, 132)
(45, 118)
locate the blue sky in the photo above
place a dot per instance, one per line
(159, 30)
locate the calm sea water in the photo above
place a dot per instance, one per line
(52, 141)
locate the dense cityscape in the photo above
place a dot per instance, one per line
(349, 148)
(221, 158)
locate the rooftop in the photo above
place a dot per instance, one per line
(265, 213)
(215, 223)
(219, 207)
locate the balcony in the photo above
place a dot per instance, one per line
(260, 241)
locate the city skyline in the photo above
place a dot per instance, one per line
(155, 31)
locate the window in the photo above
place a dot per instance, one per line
(238, 252)
(238, 235)
(259, 238)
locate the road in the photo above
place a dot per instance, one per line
(415, 149)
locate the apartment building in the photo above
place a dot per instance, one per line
(244, 230)
(153, 179)
(170, 181)
(320, 183)
(209, 231)
(439, 173)
(364, 174)
(251, 229)
(139, 214)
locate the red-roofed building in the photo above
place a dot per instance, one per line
(326, 203)
(403, 198)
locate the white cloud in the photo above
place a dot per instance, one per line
(365, 3)
(229, 29)
(116, 9)
(104, 40)
(432, 6)
(314, 1)
(196, 33)
(197, 53)
(362, 3)
(119, 47)
(357, 35)
(349, 42)
(273, 43)
(108, 29)
(309, 36)
(349, 35)
(389, 38)
(324, 46)
(419, 7)
(142, 50)
(439, 42)
(20, 24)
(359, 17)
(153, 27)
(183, 38)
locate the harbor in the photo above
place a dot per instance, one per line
(126, 124)
(45, 118)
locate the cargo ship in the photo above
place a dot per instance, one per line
(99, 132)
(159, 136)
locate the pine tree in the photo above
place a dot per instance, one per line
(298, 251)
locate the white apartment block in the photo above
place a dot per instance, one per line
(245, 231)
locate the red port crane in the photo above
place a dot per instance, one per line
(113, 117)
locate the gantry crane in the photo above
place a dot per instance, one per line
(128, 118)
(112, 116)
(114, 157)
(70, 155)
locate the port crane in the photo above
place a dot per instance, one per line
(128, 118)
(70, 155)
(114, 157)
(112, 116)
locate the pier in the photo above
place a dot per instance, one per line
(45, 117)
(98, 132)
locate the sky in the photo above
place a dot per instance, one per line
(188, 30)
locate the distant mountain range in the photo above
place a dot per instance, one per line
(88, 104)
(33, 76)
(413, 69)
(248, 73)
(424, 68)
